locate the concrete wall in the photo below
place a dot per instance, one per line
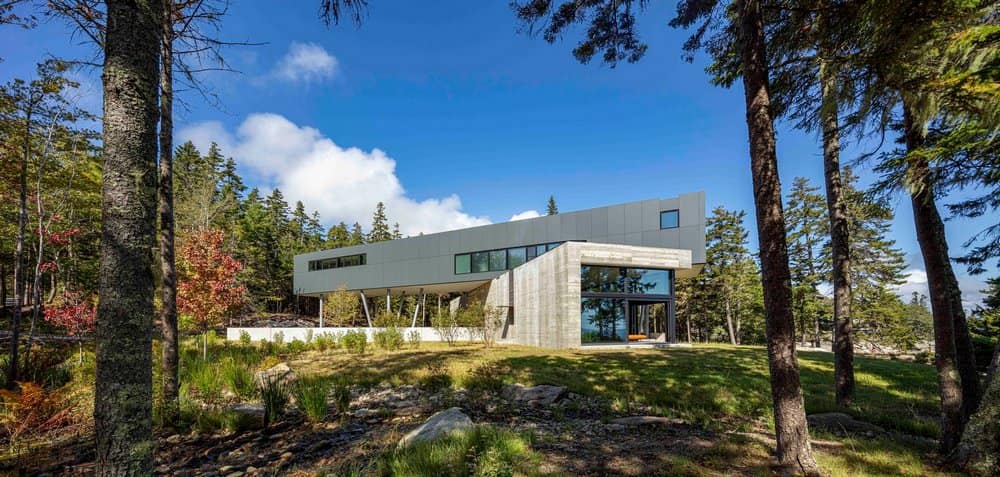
(289, 334)
(547, 290)
(428, 260)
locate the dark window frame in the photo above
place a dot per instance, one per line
(331, 263)
(677, 220)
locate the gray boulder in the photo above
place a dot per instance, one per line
(444, 422)
(541, 395)
(280, 372)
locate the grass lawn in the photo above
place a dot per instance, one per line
(724, 388)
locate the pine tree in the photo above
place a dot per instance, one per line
(730, 272)
(338, 236)
(380, 226)
(357, 235)
(807, 225)
(551, 208)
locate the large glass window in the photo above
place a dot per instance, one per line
(594, 279)
(669, 219)
(603, 320)
(480, 262)
(498, 260)
(516, 257)
(463, 264)
(647, 281)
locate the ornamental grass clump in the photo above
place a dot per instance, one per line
(274, 395)
(311, 397)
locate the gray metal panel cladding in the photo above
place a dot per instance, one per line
(430, 259)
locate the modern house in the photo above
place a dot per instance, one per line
(603, 275)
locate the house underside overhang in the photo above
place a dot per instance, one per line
(429, 289)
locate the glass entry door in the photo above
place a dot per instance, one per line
(647, 320)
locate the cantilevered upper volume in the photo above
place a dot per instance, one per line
(460, 260)
(603, 275)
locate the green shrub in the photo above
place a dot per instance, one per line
(340, 394)
(297, 346)
(324, 341)
(480, 451)
(244, 337)
(274, 395)
(488, 377)
(436, 379)
(389, 339)
(239, 378)
(310, 397)
(413, 337)
(355, 341)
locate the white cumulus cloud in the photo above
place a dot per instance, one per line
(527, 214)
(342, 183)
(306, 62)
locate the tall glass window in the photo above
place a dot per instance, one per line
(498, 260)
(480, 262)
(516, 257)
(603, 320)
(669, 219)
(463, 263)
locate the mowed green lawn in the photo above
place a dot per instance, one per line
(724, 388)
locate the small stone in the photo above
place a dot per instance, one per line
(163, 469)
(646, 421)
(286, 456)
(615, 428)
(174, 439)
(408, 411)
(235, 474)
(226, 468)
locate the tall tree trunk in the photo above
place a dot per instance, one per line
(979, 450)
(688, 326)
(22, 222)
(123, 392)
(729, 324)
(934, 249)
(36, 283)
(3, 286)
(843, 341)
(168, 291)
(965, 356)
(794, 452)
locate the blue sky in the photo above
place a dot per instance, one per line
(428, 105)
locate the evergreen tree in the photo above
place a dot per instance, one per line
(807, 225)
(730, 271)
(338, 236)
(357, 235)
(396, 234)
(380, 226)
(551, 208)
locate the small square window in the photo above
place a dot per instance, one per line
(669, 219)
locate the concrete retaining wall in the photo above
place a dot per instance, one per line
(289, 334)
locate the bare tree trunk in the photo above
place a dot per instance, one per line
(22, 221)
(168, 290)
(123, 391)
(688, 317)
(36, 282)
(930, 235)
(965, 356)
(729, 324)
(794, 453)
(843, 341)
